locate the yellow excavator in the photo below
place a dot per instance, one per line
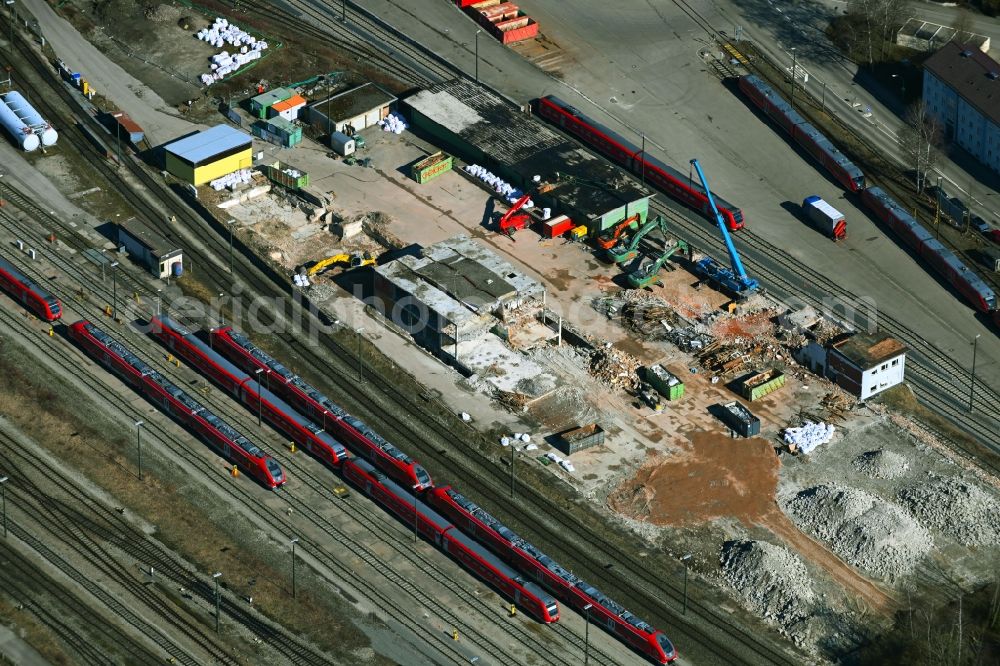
(354, 260)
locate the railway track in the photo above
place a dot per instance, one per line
(62, 611)
(67, 525)
(602, 561)
(378, 525)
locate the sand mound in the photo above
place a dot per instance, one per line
(962, 510)
(881, 464)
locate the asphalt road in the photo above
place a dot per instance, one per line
(779, 27)
(634, 65)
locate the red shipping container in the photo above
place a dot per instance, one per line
(557, 226)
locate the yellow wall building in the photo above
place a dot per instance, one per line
(210, 154)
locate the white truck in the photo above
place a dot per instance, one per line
(825, 217)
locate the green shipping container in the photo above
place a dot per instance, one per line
(290, 177)
(431, 167)
(665, 382)
(761, 384)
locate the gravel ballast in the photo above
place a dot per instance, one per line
(881, 464)
(960, 509)
(874, 535)
(771, 582)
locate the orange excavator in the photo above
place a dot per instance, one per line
(512, 220)
(608, 241)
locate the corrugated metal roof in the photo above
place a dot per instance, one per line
(353, 102)
(271, 97)
(207, 143)
(290, 103)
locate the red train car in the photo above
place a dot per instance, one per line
(673, 183)
(533, 563)
(921, 241)
(803, 133)
(27, 293)
(435, 528)
(176, 403)
(244, 388)
(352, 431)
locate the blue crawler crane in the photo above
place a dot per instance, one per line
(733, 279)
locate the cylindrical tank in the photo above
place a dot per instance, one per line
(178, 269)
(18, 131)
(20, 106)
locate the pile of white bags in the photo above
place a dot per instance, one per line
(499, 185)
(393, 123)
(809, 436)
(300, 280)
(222, 33)
(231, 180)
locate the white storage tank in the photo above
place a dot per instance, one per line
(20, 106)
(18, 131)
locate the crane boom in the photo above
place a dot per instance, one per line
(735, 278)
(734, 257)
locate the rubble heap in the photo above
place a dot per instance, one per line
(876, 536)
(960, 509)
(512, 401)
(881, 464)
(770, 582)
(615, 368)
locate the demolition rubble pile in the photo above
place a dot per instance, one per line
(771, 582)
(653, 318)
(866, 531)
(615, 368)
(881, 464)
(512, 401)
(960, 509)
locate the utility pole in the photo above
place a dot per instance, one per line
(361, 367)
(972, 384)
(215, 576)
(138, 445)
(293, 542)
(260, 397)
(3, 490)
(685, 561)
(230, 224)
(477, 56)
(794, 67)
(512, 470)
(586, 640)
(114, 285)
(416, 514)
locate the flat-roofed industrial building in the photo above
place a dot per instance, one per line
(209, 154)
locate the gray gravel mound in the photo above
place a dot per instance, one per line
(960, 509)
(881, 464)
(869, 533)
(771, 582)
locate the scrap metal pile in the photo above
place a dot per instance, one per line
(653, 318)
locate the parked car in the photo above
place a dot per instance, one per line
(980, 225)
(994, 235)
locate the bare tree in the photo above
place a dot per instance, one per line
(918, 140)
(962, 25)
(878, 20)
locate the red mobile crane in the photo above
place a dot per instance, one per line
(512, 220)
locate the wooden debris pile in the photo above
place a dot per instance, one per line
(512, 401)
(615, 368)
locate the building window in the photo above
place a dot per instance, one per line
(885, 365)
(895, 362)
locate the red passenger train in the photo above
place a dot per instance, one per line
(244, 388)
(27, 293)
(673, 183)
(176, 403)
(352, 431)
(536, 565)
(435, 528)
